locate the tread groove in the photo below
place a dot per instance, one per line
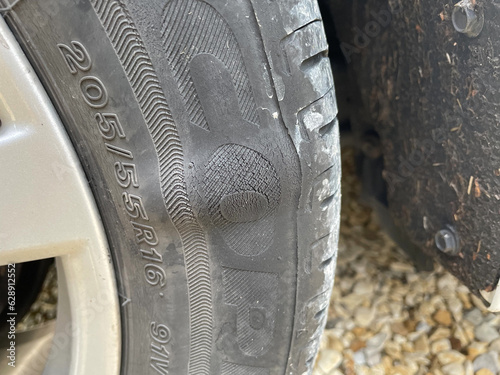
(327, 129)
(326, 263)
(320, 314)
(325, 203)
(311, 62)
(312, 119)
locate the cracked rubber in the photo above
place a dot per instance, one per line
(208, 133)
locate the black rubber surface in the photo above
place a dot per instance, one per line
(208, 133)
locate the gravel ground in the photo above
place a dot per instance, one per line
(385, 318)
(45, 307)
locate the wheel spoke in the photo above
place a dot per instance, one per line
(41, 194)
(41, 200)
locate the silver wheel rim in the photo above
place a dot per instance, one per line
(47, 210)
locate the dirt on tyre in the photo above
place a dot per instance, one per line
(208, 133)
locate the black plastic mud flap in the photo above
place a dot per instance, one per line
(428, 77)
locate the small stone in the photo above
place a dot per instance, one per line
(478, 303)
(418, 358)
(372, 358)
(486, 333)
(351, 302)
(381, 324)
(400, 339)
(450, 356)
(422, 326)
(349, 364)
(475, 349)
(362, 370)
(359, 331)
(453, 369)
(386, 364)
(443, 317)
(440, 346)
(469, 370)
(464, 297)
(456, 344)
(400, 267)
(456, 306)
(359, 358)
(349, 325)
(475, 316)
(415, 335)
(376, 343)
(484, 371)
(492, 319)
(357, 344)
(399, 328)
(382, 308)
(364, 316)
(345, 284)
(440, 333)
(378, 369)
(329, 360)
(461, 335)
(447, 281)
(396, 309)
(334, 342)
(411, 365)
(347, 339)
(422, 344)
(360, 267)
(411, 325)
(401, 370)
(438, 301)
(393, 350)
(408, 347)
(469, 332)
(363, 287)
(495, 346)
(427, 309)
(487, 361)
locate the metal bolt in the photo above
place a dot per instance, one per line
(466, 19)
(447, 241)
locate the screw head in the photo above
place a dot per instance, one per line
(466, 19)
(447, 241)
